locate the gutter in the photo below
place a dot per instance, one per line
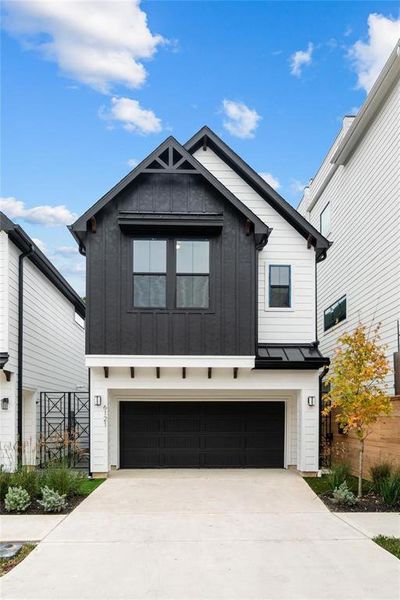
(21, 258)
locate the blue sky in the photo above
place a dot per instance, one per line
(80, 105)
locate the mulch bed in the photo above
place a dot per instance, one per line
(36, 509)
(370, 502)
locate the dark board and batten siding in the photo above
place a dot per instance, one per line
(226, 328)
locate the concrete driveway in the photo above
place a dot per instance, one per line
(183, 534)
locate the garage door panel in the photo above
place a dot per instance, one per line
(201, 434)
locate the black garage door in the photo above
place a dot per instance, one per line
(201, 434)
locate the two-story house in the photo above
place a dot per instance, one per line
(201, 329)
(42, 341)
(354, 200)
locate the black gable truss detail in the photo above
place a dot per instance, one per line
(206, 137)
(172, 157)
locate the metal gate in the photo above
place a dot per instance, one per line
(325, 432)
(64, 428)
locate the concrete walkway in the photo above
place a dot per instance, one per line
(180, 534)
(373, 524)
(27, 528)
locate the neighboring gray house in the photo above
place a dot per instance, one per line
(354, 200)
(201, 333)
(42, 339)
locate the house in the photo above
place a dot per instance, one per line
(354, 200)
(42, 343)
(201, 336)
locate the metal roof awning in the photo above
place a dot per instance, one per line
(289, 356)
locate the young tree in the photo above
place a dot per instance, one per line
(357, 386)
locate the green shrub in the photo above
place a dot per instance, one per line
(339, 474)
(380, 472)
(28, 479)
(62, 479)
(52, 501)
(389, 489)
(342, 495)
(4, 483)
(17, 499)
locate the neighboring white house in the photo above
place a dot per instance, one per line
(201, 332)
(53, 339)
(354, 200)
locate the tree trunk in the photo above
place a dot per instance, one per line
(360, 467)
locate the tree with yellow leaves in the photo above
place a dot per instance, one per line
(357, 385)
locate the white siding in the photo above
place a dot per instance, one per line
(53, 347)
(286, 247)
(291, 387)
(364, 261)
(3, 292)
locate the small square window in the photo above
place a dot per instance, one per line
(335, 313)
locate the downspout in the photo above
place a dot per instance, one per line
(20, 346)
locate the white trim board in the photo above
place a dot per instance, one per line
(172, 361)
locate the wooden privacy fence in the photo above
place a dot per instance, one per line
(382, 444)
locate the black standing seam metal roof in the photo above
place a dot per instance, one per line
(290, 356)
(205, 136)
(22, 240)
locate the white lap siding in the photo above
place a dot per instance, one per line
(54, 345)
(285, 247)
(364, 260)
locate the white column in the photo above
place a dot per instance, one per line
(99, 419)
(308, 428)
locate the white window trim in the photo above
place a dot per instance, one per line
(267, 307)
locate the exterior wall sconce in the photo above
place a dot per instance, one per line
(311, 400)
(5, 403)
(97, 400)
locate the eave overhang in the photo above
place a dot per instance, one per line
(170, 158)
(4, 356)
(206, 137)
(22, 240)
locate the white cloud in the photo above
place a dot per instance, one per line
(369, 57)
(271, 180)
(132, 162)
(300, 59)
(133, 117)
(242, 120)
(50, 216)
(96, 42)
(40, 244)
(67, 250)
(297, 186)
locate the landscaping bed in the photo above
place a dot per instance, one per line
(27, 491)
(391, 544)
(6, 564)
(381, 494)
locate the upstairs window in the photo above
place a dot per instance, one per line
(335, 313)
(150, 273)
(171, 274)
(192, 274)
(279, 286)
(325, 220)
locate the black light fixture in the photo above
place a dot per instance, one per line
(97, 400)
(311, 400)
(4, 403)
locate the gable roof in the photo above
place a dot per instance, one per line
(22, 240)
(171, 157)
(206, 137)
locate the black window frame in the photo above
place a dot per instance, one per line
(342, 315)
(149, 273)
(171, 274)
(270, 286)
